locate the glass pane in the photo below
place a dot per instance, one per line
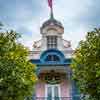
(56, 93)
(49, 93)
(52, 41)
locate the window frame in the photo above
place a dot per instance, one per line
(52, 42)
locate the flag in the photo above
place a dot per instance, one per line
(50, 3)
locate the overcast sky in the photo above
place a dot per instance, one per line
(26, 17)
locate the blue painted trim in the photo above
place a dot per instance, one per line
(38, 62)
(38, 70)
(52, 52)
(35, 61)
(75, 91)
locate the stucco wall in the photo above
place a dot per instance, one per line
(65, 90)
(40, 89)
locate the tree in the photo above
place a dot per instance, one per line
(86, 65)
(17, 74)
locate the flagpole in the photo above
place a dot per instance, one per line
(50, 3)
(52, 12)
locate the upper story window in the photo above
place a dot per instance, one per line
(52, 58)
(51, 42)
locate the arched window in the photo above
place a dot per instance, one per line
(52, 58)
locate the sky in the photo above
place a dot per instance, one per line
(26, 17)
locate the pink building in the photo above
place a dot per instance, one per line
(52, 55)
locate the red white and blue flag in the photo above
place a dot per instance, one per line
(50, 3)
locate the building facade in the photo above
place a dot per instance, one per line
(52, 56)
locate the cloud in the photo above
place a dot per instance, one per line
(26, 16)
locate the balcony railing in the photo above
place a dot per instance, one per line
(55, 98)
(52, 98)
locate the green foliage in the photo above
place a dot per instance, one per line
(86, 65)
(17, 74)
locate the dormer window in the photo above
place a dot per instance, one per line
(51, 42)
(52, 58)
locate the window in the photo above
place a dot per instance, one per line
(53, 92)
(52, 58)
(56, 93)
(51, 42)
(49, 95)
